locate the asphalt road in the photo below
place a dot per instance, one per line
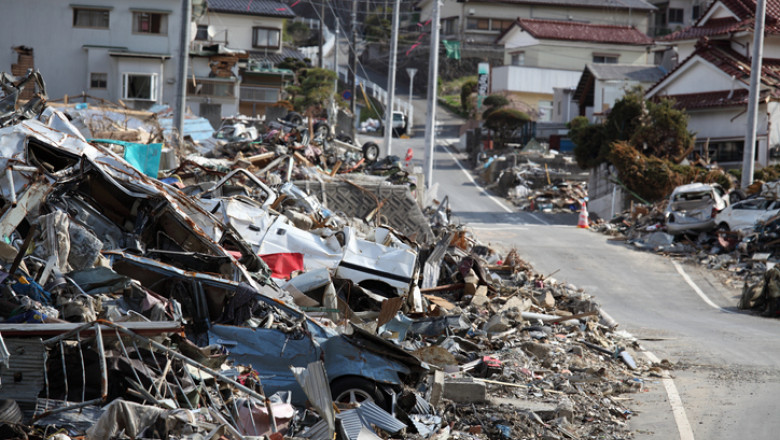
(726, 379)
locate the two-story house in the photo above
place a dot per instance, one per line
(237, 46)
(108, 49)
(542, 55)
(711, 82)
(674, 15)
(478, 23)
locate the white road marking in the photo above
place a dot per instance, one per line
(683, 425)
(696, 289)
(675, 401)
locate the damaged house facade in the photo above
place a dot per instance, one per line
(110, 49)
(234, 53)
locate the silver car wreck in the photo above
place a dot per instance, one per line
(692, 208)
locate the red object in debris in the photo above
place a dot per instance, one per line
(284, 264)
(490, 361)
(409, 155)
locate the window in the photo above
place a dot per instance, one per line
(259, 94)
(139, 86)
(90, 18)
(480, 24)
(98, 80)
(696, 12)
(675, 15)
(203, 32)
(449, 26)
(265, 37)
(605, 59)
(518, 59)
(150, 23)
(217, 89)
(500, 25)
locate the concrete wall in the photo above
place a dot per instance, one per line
(605, 198)
(59, 52)
(532, 79)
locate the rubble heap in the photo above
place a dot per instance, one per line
(209, 302)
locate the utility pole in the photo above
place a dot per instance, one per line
(391, 79)
(433, 69)
(181, 74)
(748, 158)
(353, 63)
(336, 56)
(321, 61)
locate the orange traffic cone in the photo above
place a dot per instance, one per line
(582, 222)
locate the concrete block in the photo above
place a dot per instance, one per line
(437, 389)
(465, 390)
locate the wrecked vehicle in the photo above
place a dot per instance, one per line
(257, 330)
(383, 262)
(692, 208)
(746, 213)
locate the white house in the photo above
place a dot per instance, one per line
(231, 41)
(541, 55)
(254, 29)
(109, 49)
(712, 80)
(601, 85)
(477, 23)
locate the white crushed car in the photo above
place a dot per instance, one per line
(746, 213)
(692, 208)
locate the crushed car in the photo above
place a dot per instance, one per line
(692, 208)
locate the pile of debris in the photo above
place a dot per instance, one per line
(536, 180)
(212, 302)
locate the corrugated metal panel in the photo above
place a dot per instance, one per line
(367, 414)
(314, 381)
(23, 380)
(374, 415)
(351, 424)
(317, 431)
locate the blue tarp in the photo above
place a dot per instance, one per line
(144, 157)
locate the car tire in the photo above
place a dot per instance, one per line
(370, 152)
(723, 227)
(354, 389)
(294, 118)
(321, 129)
(10, 412)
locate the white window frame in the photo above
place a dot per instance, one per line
(153, 89)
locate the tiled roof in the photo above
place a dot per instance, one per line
(601, 4)
(722, 98)
(622, 72)
(720, 55)
(266, 8)
(276, 58)
(573, 31)
(745, 10)
(632, 72)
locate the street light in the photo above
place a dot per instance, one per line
(411, 71)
